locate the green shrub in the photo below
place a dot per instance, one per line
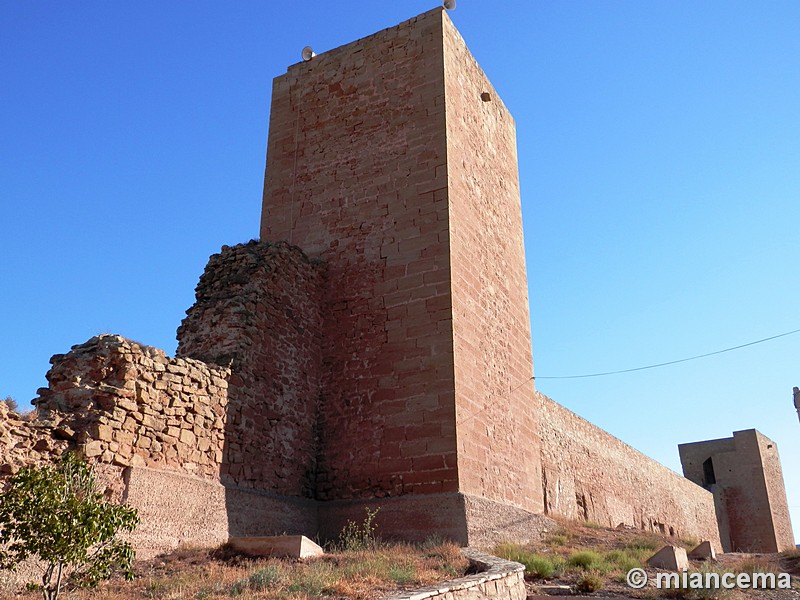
(557, 540)
(644, 543)
(541, 567)
(355, 537)
(57, 514)
(537, 566)
(585, 560)
(623, 560)
(315, 581)
(402, 574)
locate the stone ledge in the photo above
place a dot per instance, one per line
(505, 577)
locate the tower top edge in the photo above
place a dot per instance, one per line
(439, 12)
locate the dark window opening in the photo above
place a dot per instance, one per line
(708, 473)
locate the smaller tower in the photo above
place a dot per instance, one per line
(744, 474)
(797, 401)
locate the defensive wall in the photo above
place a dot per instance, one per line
(377, 354)
(588, 474)
(179, 440)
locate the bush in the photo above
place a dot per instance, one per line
(589, 582)
(355, 537)
(585, 560)
(557, 540)
(57, 515)
(266, 578)
(541, 567)
(644, 543)
(11, 404)
(537, 566)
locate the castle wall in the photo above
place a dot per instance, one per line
(590, 475)
(26, 441)
(355, 176)
(385, 361)
(744, 473)
(156, 430)
(179, 510)
(125, 404)
(498, 446)
(258, 311)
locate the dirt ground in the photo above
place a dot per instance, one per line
(593, 538)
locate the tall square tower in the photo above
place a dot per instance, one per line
(393, 160)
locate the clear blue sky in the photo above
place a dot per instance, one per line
(659, 149)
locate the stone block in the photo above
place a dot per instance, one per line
(105, 433)
(292, 546)
(92, 449)
(705, 551)
(671, 558)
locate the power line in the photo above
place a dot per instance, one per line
(513, 389)
(672, 362)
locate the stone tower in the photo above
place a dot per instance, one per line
(373, 349)
(744, 473)
(393, 160)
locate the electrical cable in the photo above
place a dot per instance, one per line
(671, 362)
(664, 364)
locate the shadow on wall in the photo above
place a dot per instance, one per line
(258, 312)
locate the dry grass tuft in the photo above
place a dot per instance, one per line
(358, 575)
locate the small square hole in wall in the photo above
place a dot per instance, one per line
(486, 97)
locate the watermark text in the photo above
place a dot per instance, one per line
(638, 578)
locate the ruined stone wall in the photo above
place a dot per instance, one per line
(122, 403)
(590, 475)
(27, 441)
(258, 311)
(498, 447)
(356, 176)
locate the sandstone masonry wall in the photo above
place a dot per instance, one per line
(259, 311)
(744, 474)
(589, 474)
(122, 403)
(27, 441)
(356, 176)
(491, 324)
